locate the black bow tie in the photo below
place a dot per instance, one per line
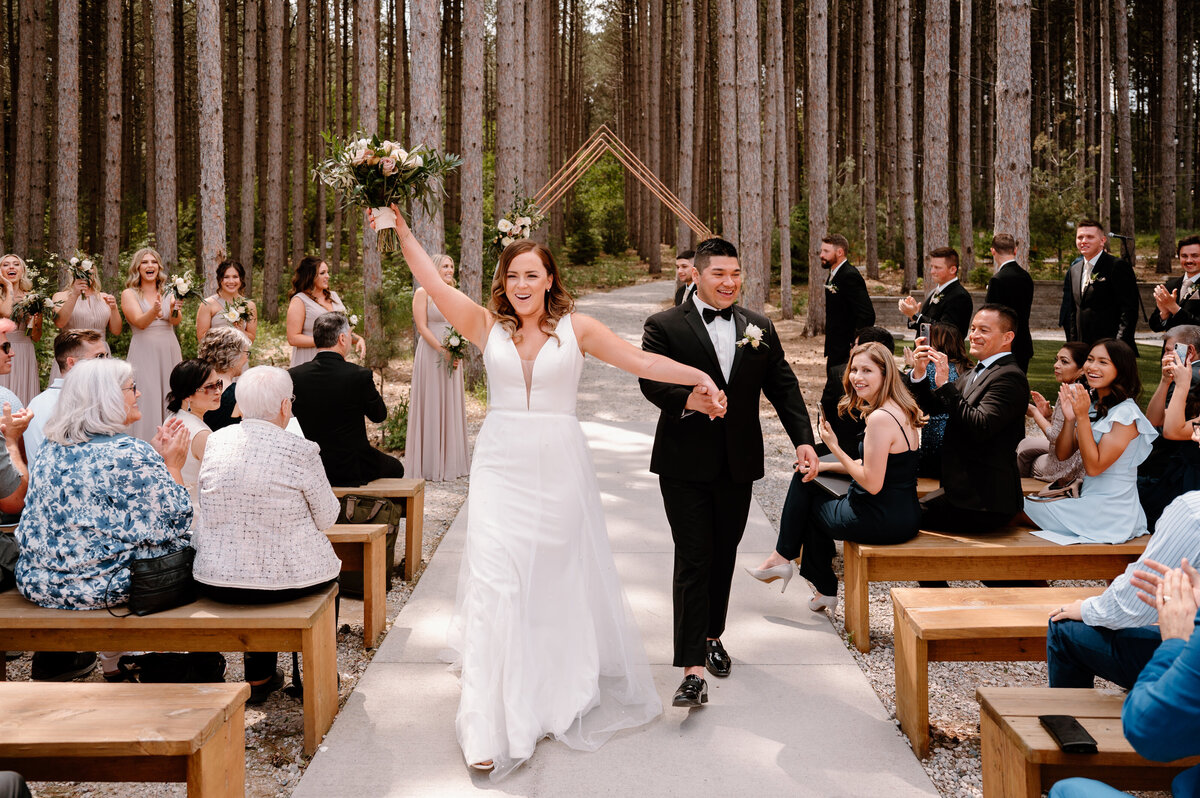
(710, 314)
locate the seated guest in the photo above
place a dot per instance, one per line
(986, 407)
(1112, 437)
(6, 364)
(12, 785)
(1173, 465)
(881, 505)
(70, 347)
(1035, 455)
(332, 397)
(854, 426)
(227, 350)
(98, 499)
(947, 340)
(1161, 715)
(264, 503)
(194, 392)
(877, 334)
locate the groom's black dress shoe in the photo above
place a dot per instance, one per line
(692, 692)
(717, 660)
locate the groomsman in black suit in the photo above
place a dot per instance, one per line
(1178, 299)
(948, 302)
(684, 276)
(1012, 286)
(1100, 298)
(707, 466)
(848, 309)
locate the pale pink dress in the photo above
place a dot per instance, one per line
(90, 313)
(436, 446)
(313, 309)
(153, 353)
(23, 379)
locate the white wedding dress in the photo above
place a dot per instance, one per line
(542, 632)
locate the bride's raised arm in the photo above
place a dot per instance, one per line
(467, 316)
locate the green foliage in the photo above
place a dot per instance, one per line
(979, 276)
(1059, 196)
(395, 428)
(600, 197)
(582, 247)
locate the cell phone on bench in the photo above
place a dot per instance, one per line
(1071, 737)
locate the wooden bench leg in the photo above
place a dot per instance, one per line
(218, 769)
(912, 684)
(858, 622)
(374, 589)
(414, 521)
(1006, 771)
(319, 647)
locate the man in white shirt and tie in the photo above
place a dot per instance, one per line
(1100, 294)
(1178, 299)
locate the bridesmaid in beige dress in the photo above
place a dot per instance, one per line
(231, 282)
(154, 349)
(83, 305)
(310, 298)
(436, 447)
(23, 379)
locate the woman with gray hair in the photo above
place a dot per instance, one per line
(264, 505)
(227, 350)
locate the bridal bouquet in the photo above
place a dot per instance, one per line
(373, 173)
(518, 223)
(456, 345)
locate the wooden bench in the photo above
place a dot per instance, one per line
(123, 732)
(305, 624)
(412, 493)
(1011, 553)
(360, 548)
(1021, 759)
(927, 485)
(965, 625)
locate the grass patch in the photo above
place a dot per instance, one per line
(1041, 370)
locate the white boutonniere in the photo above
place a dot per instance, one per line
(752, 337)
(831, 288)
(935, 299)
(1094, 278)
(1191, 289)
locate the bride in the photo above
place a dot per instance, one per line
(542, 633)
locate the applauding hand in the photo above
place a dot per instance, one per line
(13, 425)
(171, 441)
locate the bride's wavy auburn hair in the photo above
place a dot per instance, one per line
(856, 407)
(558, 302)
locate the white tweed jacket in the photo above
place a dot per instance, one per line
(264, 503)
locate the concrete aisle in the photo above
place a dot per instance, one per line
(797, 717)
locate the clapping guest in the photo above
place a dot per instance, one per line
(194, 392)
(227, 350)
(83, 305)
(1173, 465)
(311, 297)
(1178, 299)
(947, 301)
(70, 347)
(264, 503)
(1113, 438)
(947, 340)
(214, 312)
(153, 349)
(23, 379)
(1036, 456)
(7, 326)
(436, 446)
(881, 505)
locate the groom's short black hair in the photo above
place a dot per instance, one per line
(710, 248)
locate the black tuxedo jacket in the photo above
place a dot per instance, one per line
(1012, 286)
(848, 309)
(681, 293)
(954, 307)
(332, 397)
(979, 450)
(697, 449)
(1189, 309)
(1107, 308)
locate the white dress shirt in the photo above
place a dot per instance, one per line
(722, 332)
(42, 406)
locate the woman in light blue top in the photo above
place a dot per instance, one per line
(1113, 438)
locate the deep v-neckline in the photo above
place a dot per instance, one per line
(528, 380)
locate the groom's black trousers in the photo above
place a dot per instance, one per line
(707, 521)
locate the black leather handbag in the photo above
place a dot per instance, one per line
(159, 583)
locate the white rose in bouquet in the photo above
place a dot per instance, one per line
(353, 320)
(74, 261)
(358, 155)
(413, 161)
(506, 241)
(504, 225)
(232, 316)
(387, 166)
(524, 221)
(87, 265)
(455, 340)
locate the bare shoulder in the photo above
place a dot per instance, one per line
(420, 292)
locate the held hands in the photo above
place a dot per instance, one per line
(1168, 366)
(1168, 303)
(13, 425)
(171, 441)
(909, 306)
(706, 398)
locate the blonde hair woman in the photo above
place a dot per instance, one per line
(881, 504)
(83, 305)
(23, 379)
(154, 349)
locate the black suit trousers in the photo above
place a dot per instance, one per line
(707, 522)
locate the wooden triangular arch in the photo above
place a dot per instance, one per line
(601, 141)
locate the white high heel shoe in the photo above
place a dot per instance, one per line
(818, 603)
(782, 571)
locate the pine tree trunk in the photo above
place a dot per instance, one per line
(1169, 98)
(300, 132)
(430, 228)
(273, 192)
(339, 119)
(211, 126)
(113, 113)
(166, 170)
(322, 114)
(66, 161)
(471, 182)
(727, 98)
(834, 73)
(37, 121)
(249, 139)
(655, 29)
(783, 107)
(233, 126)
(749, 124)
(1082, 29)
(966, 229)
(400, 79)
(817, 158)
(366, 34)
(1124, 126)
(867, 120)
(769, 100)
(891, 134)
(147, 131)
(908, 210)
(510, 94)
(1106, 143)
(701, 80)
(935, 182)
(1013, 148)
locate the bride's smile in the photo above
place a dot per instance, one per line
(526, 283)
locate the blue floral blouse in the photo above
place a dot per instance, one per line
(91, 509)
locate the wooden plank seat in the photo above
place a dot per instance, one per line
(360, 547)
(411, 493)
(1021, 759)
(927, 485)
(965, 625)
(1009, 553)
(124, 732)
(305, 624)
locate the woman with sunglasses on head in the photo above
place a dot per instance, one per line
(194, 391)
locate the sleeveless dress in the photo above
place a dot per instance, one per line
(542, 634)
(23, 379)
(90, 313)
(153, 353)
(1107, 510)
(436, 446)
(312, 309)
(191, 466)
(218, 316)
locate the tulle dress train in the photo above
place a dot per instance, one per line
(542, 633)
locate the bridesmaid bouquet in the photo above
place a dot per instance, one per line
(44, 276)
(83, 269)
(33, 304)
(181, 287)
(456, 345)
(374, 173)
(238, 311)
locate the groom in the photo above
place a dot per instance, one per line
(709, 450)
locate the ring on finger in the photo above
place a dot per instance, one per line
(1166, 599)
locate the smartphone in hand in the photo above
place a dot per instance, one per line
(1181, 352)
(926, 330)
